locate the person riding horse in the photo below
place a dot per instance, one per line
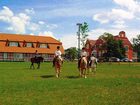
(57, 61)
(82, 63)
(82, 54)
(92, 63)
(36, 59)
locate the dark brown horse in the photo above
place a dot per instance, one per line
(37, 60)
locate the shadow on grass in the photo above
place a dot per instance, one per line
(47, 76)
(72, 77)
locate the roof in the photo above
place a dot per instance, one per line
(52, 43)
(124, 39)
(28, 38)
(92, 42)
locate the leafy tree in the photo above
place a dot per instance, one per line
(114, 48)
(84, 32)
(71, 53)
(106, 36)
(136, 45)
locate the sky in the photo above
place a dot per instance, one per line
(58, 18)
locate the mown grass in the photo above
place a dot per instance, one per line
(112, 85)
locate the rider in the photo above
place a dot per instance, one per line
(36, 53)
(57, 54)
(93, 58)
(82, 54)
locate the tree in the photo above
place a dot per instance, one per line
(136, 45)
(84, 32)
(114, 48)
(71, 53)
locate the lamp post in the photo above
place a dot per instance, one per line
(78, 33)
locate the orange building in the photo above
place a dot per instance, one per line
(94, 46)
(16, 47)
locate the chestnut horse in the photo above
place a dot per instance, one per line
(83, 67)
(37, 60)
(58, 64)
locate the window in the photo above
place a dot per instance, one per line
(5, 55)
(14, 44)
(44, 45)
(29, 45)
(126, 48)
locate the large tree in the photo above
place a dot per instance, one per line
(84, 33)
(114, 48)
(136, 45)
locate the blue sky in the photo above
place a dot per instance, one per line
(58, 18)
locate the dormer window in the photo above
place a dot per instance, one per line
(44, 45)
(29, 44)
(16, 44)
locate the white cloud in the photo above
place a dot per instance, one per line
(132, 5)
(22, 22)
(69, 41)
(30, 11)
(119, 18)
(46, 33)
(113, 15)
(102, 18)
(52, 26)
(120, 14)
(33, 26)
(119, 24)
(41, 22)
(6, 14)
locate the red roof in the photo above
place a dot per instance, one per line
(92, 42)
(52, 43)
(124, 39)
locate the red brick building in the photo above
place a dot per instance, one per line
(15, 47)
(95, 46)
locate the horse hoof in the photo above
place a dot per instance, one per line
(56, 76)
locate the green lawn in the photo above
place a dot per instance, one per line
(113, 85)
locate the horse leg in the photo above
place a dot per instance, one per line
(38, 67)
(94, 70)
(32, 65)
(84, 73)
(56, 71)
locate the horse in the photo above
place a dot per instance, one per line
(36, 60)
(83, 67)
(92, 64)
(57, 64)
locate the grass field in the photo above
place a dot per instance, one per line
(113, 85)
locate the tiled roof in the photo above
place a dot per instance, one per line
(53, 43)
(27, 38)
(92, 42)
(124, 39)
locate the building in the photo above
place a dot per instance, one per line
(95, 46)
(127, 44)
(15, 47)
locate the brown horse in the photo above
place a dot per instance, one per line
(37, 60)
(83, 67)
(58, 64)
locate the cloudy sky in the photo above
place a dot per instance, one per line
(58, 18)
